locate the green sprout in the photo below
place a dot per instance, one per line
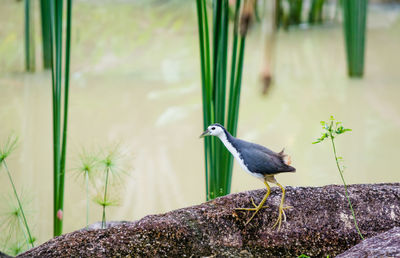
(88, 166)
(104, 200)
(112, 167)
(332, 129)
(91, 165)
(14, 239)
(8, 147)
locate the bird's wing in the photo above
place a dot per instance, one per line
(259, 161)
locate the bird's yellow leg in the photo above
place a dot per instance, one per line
(259, 206)
(281, 209)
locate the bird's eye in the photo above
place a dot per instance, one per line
(212, 128)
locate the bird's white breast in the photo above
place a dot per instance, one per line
(237, 155)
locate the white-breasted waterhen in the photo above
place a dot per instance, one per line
(258, 161)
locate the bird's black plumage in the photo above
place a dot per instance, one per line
(257, 158)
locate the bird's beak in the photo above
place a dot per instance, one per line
(205, 133)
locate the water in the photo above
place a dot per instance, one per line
(135, 80)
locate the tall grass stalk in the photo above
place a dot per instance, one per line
(289, 12)
(316, 11)
(214, 64)
(355, 17)
(331, 130)
(295, 11)
(45, 22)
(59, 137)
(29, 37)
(5, 151)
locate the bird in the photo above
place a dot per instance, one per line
(259, 162)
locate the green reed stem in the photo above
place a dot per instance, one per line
(344, 183)
(296, 8)
(65, 116)
(87, 197)
(45, 22)
(21, 224)
(233, 115)
(204, 44)
(29, 39)
(355, 16)
(59, 138)
(57, 111)
(218, 167)
(103, 222)
(19, 202)
(315, 14)
(56, 118)
(233, 100)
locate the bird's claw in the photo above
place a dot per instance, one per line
(278, 222)
(255, 208)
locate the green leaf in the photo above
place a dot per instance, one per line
(32, 240)
(321, 138)
(341, 130)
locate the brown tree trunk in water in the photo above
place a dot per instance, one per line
(269, 33)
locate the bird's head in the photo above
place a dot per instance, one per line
(214, 130)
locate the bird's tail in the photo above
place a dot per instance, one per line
(287, 160)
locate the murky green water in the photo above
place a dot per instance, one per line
(135, 80)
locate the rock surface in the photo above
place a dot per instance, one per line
(3, 255)
(383, 245)
(319, 224)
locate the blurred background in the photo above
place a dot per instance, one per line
(135, 80)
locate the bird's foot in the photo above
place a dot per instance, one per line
(281, 214)
(255, 207)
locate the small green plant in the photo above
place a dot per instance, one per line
(108, 165)
(8, 147)
(88, 166)
(111, 164)
(104, 200)
(16, 248)
(98, 169)
(332, 129)
(14, 238)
